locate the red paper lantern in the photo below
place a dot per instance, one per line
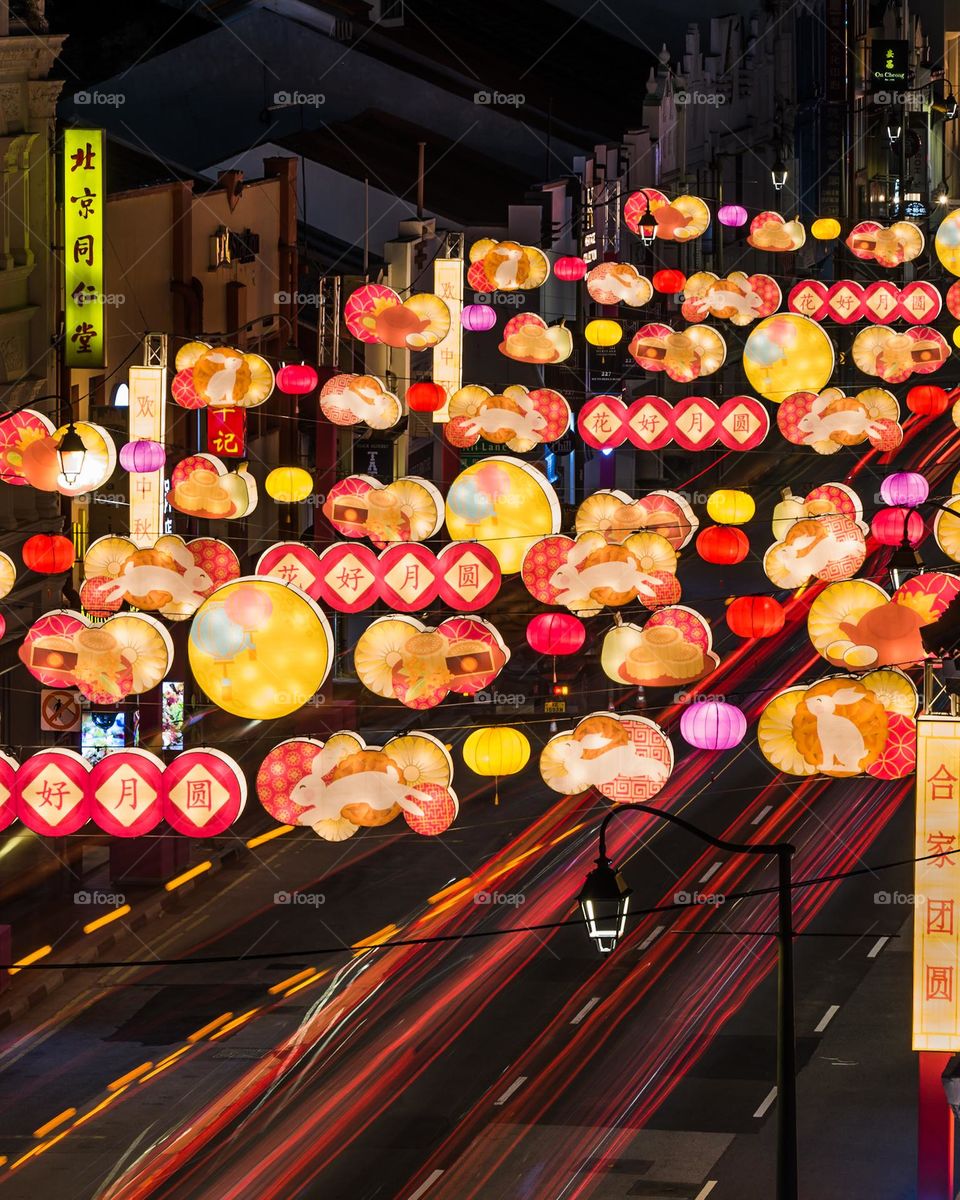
(669, 281)
(556, 633)
(296, 379)
(183, 390)
(569, 269)
(890, 524)
(426, 397)
(927, 400)
(723, 544)
(755, 616)
(48, 553)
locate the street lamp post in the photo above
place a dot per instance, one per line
(605, 901)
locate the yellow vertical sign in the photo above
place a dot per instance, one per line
(448, 353)
(936, 944)
(84, 203)
(147, 422)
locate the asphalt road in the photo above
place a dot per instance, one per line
(519, 1065)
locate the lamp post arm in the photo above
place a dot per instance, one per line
(778, 848)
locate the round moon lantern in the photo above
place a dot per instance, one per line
(732, 215)
(728, 507)
(478, 318)
(713, 725)
(722, 545)
(603, 333)
(126, 789)
(296, 379)
(907, 489)
(426, 397)
(787, 353)
(755, 616)
(825, 229)
(927, 400)
(53, 793)
(204, 792)
(183, 391)
(142, 457)
(259, 648)
(890, 525)
(495, 750)
(48, 553)
(569, 269)
(289, 485)
(505, 505)
(8, 574)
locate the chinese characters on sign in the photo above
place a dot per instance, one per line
(448, 352)
(227, 432)
(83, 247)
(147, 421)
(936, 953)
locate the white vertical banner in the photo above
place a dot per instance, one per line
(147, 421)
(448, 353)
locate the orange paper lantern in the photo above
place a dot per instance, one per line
(723, 544)
(48, 553)
(755, 616)
(426, 397)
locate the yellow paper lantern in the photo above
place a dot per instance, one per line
(728, 507)
(495, 750)
(259, 648)
(787, 353)
(505, 505)
(956, 335)
(603, 333)
(825, 229)
(289, 485)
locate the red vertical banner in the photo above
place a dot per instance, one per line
(935, 1121)
(227, 432)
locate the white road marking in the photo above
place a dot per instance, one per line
(706, 1190)
(762, 1110)
(591, 1003)
(713, 870)
(651, 936)
(517, 1083)
(827, 1018)
(761, 814)
(878, 945)
(427, 1183)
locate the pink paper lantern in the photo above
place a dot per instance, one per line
(569, 269)
(889, 525)
(713, 725)
(556, 633)
(732, 215)
(142, 457)
(478, 318)
(906, 489)
(296, 379)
